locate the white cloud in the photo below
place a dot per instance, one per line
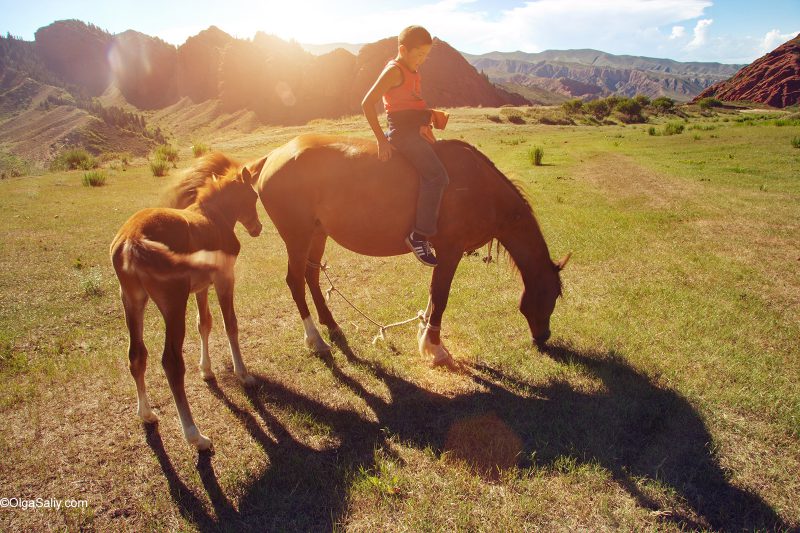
(700, 34)
(677, 32)
(774, 39)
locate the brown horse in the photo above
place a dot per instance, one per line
(316, 186)
(168, 253)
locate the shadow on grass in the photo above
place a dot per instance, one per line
(634, 429)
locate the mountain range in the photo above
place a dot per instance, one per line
(77, 84)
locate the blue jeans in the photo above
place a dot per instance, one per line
(432, 177)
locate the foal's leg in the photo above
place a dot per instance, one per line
(171, 301)
(298, 249)
(315, 254)
(204, 322)
(431, 343)
(223, 284)
(134, 299)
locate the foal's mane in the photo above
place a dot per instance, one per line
(184, 192)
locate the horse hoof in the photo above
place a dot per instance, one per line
(199, 441)
(246, 380)
(336, 333)
(317, 345)
(148, 417)
(206, 373)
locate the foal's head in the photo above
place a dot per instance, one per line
(236, 198)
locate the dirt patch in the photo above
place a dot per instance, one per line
(623, 178)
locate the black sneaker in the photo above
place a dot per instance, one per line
(422, 250)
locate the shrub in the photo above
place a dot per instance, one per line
(516, 119)
(535, 155)
(598, 108)
(95, 178)
(159, 167)
(168, 153)
(663, 104)
(642, 100)
(796, 142)
(494, 118)
(673, 128)
(651, 130)
(573, 107)
(199, 149)
(75, 158)
(708, 103)
(630, 109)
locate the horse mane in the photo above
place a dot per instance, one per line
(184, 192)
(515, 185)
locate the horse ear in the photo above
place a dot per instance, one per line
(563, 262)
(246, 177)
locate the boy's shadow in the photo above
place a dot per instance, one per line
(633, 428)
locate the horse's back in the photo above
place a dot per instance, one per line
(340, 184)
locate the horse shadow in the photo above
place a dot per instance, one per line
(630, 426)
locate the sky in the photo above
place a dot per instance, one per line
(725, 31)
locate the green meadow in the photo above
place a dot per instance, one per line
(668, 399)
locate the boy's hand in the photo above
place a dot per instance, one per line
(384, 150)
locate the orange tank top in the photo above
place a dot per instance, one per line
(407, 95)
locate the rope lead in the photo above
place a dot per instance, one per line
(381, 327)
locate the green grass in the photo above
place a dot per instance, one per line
(199, 149)
(535, 155)
(95, 178)
(74, 158)
(167, 153)
(159, 167)
(668, 402)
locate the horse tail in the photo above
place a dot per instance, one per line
(157, 259)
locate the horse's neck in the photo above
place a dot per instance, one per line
(525, 243)
(215, 212)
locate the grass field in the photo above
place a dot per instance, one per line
(668, 399)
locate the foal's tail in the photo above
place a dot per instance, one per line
(155, 258)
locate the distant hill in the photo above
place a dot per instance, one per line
(773, 79)
(592, 74)
(264, 80)
(321, 49)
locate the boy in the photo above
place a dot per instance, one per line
(399, 85)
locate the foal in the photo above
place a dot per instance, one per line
(167, 254)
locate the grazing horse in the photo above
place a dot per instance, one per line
(166, 254)
(316, 186)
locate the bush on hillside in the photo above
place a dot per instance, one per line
(74, 158)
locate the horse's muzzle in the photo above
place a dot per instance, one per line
(254, 229)
(541, 339)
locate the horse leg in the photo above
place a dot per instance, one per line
(313, 267)
(426, 316)
(171, 301)
(223, 284)
(134, 299)
(295, 278)
(204, 322)
(430, 343)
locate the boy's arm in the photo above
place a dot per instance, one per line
(389, 78)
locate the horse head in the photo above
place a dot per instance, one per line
(539, 300)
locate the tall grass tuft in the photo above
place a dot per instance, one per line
(159, 167)
(198, 149)
(168, 153)
(95, 178)
(651, 130)
(535, 155)
(796, 142)
(74, 158)
(673, 128)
